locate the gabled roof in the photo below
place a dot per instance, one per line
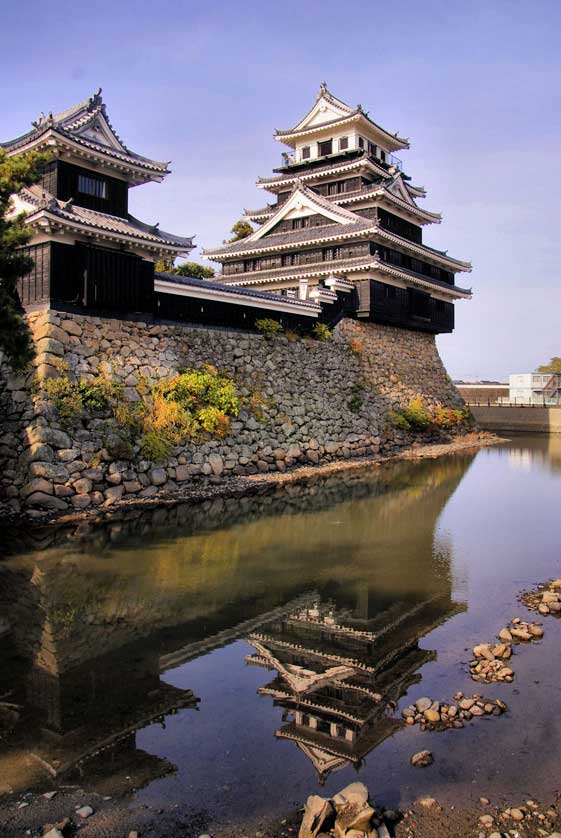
(43, 209)
(329, 112)
(396, 195)
(302, 202)
(86, 128)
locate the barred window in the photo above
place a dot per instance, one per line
(97, 187)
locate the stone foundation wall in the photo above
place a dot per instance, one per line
(320, 402)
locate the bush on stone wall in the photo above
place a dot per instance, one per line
(417, 417)
(191, 405)
(268, 327)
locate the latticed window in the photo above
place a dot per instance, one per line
(89, 185)
(343, 143)
(306, 152)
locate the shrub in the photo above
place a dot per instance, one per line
(268, 327)
(416, 415)
(397, 420)
(321, 332)
(154, 446)
(75, 399)
(193, 403)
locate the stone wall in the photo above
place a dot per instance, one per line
(320, 401)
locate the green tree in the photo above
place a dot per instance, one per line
(15, 337)
(185, 269)
(241, 230)
(553, 366)
(165, 266)
(195, 270)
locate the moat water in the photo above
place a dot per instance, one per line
(224, 660)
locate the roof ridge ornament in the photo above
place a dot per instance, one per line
(322, 90)
(95, 100)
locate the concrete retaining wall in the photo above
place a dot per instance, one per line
(546, 420)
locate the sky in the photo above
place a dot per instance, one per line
(474, 85)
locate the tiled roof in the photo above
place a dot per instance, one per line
(342, 266)
(74, 214)
(211, 285)
(335, 165)
(71, 122)
(296, 271)
(311, 234)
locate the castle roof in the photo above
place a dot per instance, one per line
(44, 210)
(329, 113)
(346, 224)
(85, 131)
(355, 160)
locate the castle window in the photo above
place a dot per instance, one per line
(360, 142)
(343, 143)
(325, 148)
(306, 152)
(95, 186)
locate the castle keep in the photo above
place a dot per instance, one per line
(346, 218)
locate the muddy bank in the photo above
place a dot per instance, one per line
(209, 488)
(118, 815)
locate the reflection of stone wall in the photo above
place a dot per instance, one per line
(307, 388)
(212, 566)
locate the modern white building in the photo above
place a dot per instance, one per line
(535, 388)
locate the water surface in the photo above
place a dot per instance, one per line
(230, 657)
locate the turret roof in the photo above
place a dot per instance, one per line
(329, 112)
(85, 126)
(40, 204)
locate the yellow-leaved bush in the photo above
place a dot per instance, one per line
(190, 405)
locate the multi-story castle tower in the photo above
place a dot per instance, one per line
(346, 218)
(87, 250)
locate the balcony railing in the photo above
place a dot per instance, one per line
(389, 160)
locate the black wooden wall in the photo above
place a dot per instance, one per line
(404, 307)
(61, 180)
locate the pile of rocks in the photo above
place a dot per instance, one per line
(528, 815)
(488, 663)
(346, 815)
(433, 715)
(546, 599)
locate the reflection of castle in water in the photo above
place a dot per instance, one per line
(339, 669)
(86, 637)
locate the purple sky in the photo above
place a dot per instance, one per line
(475, 86)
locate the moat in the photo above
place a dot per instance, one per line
(212, 665)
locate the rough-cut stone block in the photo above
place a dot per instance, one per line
(40, 452)
(43, 501)
(182, 473)
(54, 347)
(71, 327)
(113, 494)
(80, 501)
(38, 484)
(158, 476)
(216, 464)
(66, 455)
(82, 486)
